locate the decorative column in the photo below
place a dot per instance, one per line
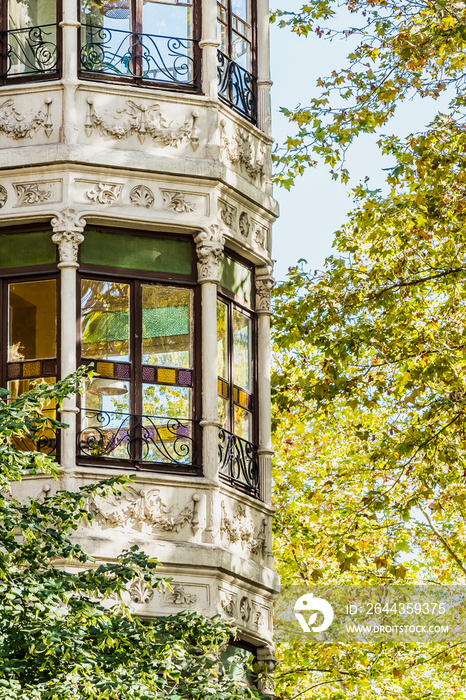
(264, 120)
(68, 228)
(264, 286)
(209, 248)
(70, 26)
(209, 45)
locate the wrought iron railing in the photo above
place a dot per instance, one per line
(39, 437)
(239, 463)
(162, 59)
(126, 436)
(31, 51)
(237, 87)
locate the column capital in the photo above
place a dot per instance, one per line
(68, 227)
(209, 248)
(264, 284)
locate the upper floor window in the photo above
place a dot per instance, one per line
(29, 39)
(142, 40)
(236, 56)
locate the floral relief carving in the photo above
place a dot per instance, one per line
(177, 202)
(142, 196)
(17, 126)
(244, 224)
(239, 150)
(3, 196)
(240, 528)
(145, 121)
(245, 609)
(260, 237)
(144, 511)
(140, 593)
(227, 214)
(179, 596)
(264, 285)
(35, 193)
(104, 193)
(209, 248)
(228, 603)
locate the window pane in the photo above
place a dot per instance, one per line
(243, 423)
(31, 13)
(105, 320)
(222, 37)
(32, 320)
(46, 439)
(168, 19)
(169, 401)
(242, 8)
(241, 51)
(110, 14)
(224, 412)
(102, 395)
(167, 435)
(104, 36)
(222, 340)
(167, 326)
(242, 370)
(105, 423)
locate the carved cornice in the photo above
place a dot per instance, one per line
(264, 285)
(68, 226)
(209, 248)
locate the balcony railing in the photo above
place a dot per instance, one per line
(237, 87)
(238, 462)
(140, 57)
(29, 52)
(146, 439)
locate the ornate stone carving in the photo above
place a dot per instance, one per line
(144, 121)
(68, 227)
(244, 224)
(178, 595)
(17, 126)
(228, 603)
(140, 593)
(104, 193)
(268, 663)
(141, 196)
(240, 528)
(245, 609)
(260, 237)
(209, 248)
(259, 619)
(34, 193)
(177, 202)
(227, 214)
(264, 285)
(3, 196)
(144, 511)
(239, 150)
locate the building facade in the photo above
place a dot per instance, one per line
(135, 236)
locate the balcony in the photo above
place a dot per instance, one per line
(139, 58)
(237, 87)
(29, 53)
(238, 460)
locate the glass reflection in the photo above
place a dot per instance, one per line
(162, 400)
(242, 358)
(167, 326)
(168, 19)
(32, 326)
(222, 340)
(105, 320)
(31, 13)
(243, 423)
(46, 439)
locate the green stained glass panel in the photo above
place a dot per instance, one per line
(24, 249)
(236, 278)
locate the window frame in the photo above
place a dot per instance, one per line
(136, 28)
(29, 77)
(229, 30)
(136, 280)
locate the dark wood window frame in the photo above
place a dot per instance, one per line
(229, 32)
(137, 30)
(136, 280)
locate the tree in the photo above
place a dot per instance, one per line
(369, 381)
(65, 630)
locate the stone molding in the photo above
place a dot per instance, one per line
(68, 226)
(209, 248)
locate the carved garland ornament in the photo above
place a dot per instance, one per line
(144, 511)
(3, 196)
(144, 121)
(239, 150)
(15, 125)
(240, 528)
(36, 193)
(209, 248)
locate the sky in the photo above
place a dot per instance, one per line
(317, 206)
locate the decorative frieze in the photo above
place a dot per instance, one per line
(228, 602)
(17, 125)
(104, 193)
(239, 528)
(260, 236)
(144, 121)
(140, 593)
(3, 196)
(244, 224)
(144, 511)
(176, 201)
(32, 193)
(209, 248)
(179, 596)
(227, 213)
(245, 609)
(239, 149)
(142, 196)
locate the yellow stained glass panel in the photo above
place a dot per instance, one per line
(105, 369)
(31, 369)
(166, 376)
